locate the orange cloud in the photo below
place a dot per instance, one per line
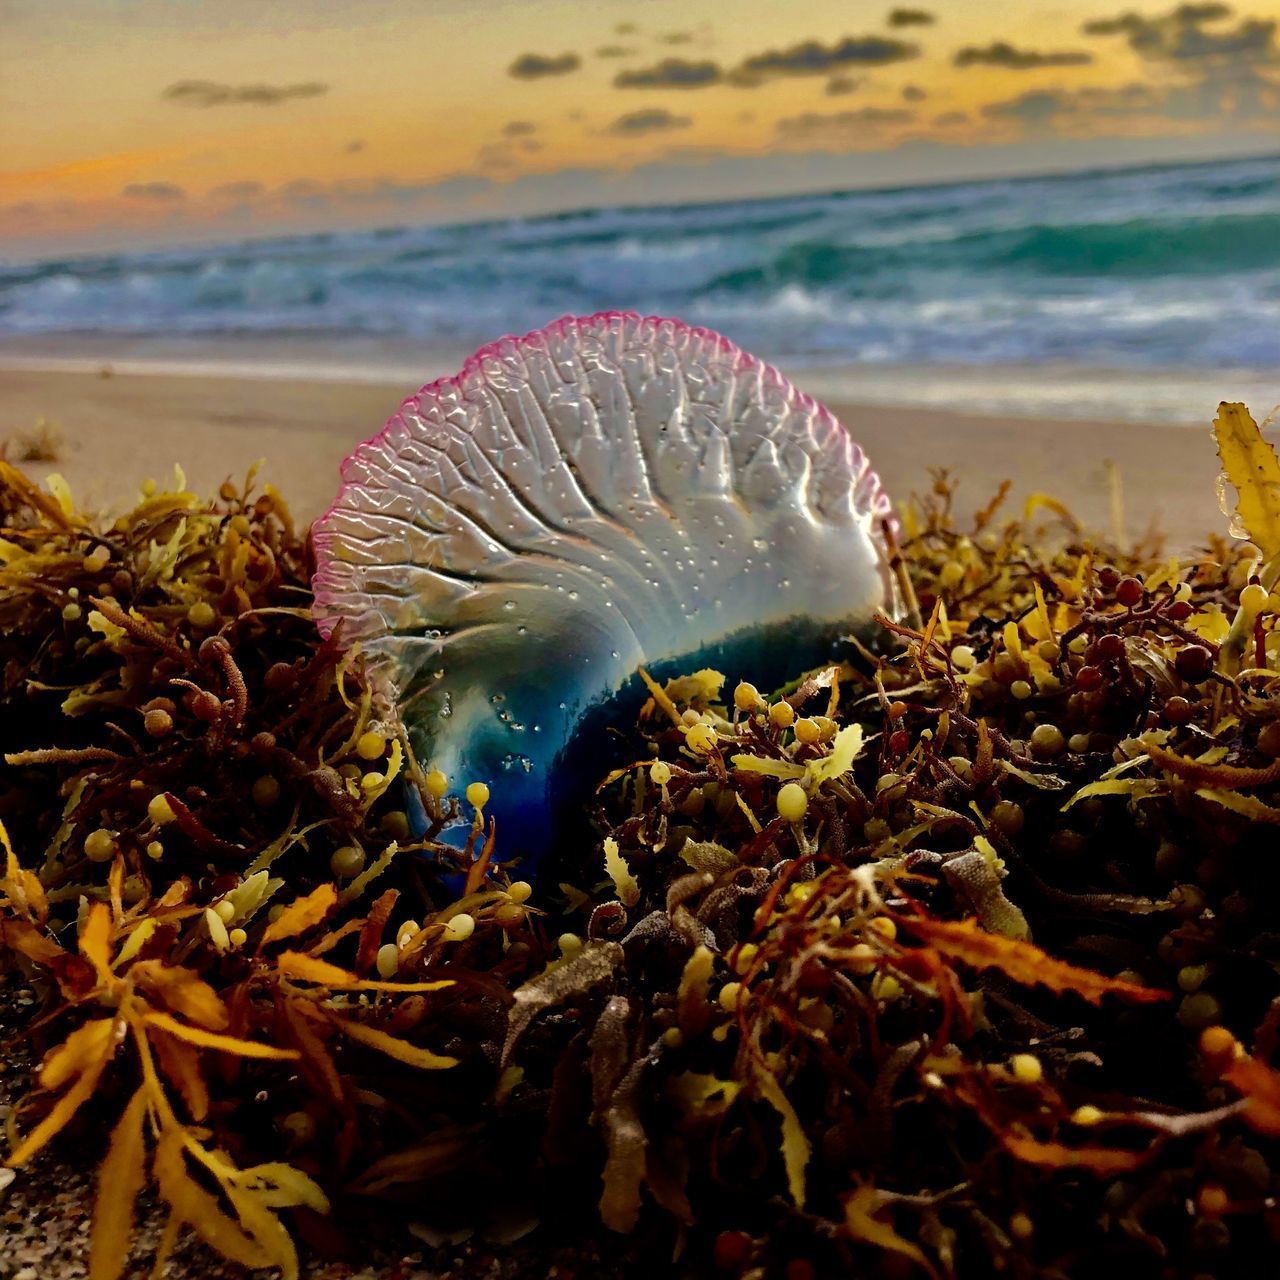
(94, 175)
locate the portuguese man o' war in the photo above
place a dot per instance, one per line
(605, 494)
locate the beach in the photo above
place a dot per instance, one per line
(120, 428)
(1033, 329)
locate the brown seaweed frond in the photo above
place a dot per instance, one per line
(956, 955)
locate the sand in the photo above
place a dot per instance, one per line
(119, 429)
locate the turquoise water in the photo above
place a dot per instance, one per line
(1155, 268)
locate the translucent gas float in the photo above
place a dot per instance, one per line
(608, 493)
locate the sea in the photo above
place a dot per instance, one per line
(1138, 293)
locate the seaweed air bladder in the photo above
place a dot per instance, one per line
(608, 494)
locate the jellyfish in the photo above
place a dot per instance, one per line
(610, 493)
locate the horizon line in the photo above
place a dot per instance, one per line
(822, 192)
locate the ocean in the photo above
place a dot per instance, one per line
(1159, 278)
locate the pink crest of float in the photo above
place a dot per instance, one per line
(377, 468)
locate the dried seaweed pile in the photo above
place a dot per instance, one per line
(200, 816)
(960, 955)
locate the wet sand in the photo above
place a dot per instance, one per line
(116, 430)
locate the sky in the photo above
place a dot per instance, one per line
(139, 123)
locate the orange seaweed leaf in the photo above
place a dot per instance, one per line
(95, 941)
(317, 1062)
(1260, 1084)
(23, 889)
(475, 875)
(183, 992)
(293, 964)
(265, 1228)
(302, 914)
(212, 1040)
(190, 1204)
(1024, 962)
(393, 1048)
(27, 940)
(1249, 463)
(86, 1062)
(85, 1044)
(1103, 1161)
(120, 1178)
(181, 1065)
(860, 1210)
(795, 1143)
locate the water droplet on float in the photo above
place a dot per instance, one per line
(573, 595)
(760, 544)
(508, 604)
(1227, 505)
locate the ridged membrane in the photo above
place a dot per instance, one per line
(605, 493)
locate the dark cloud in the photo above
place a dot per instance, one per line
(494, 156)
(210, 93)
(670, 73)
(506, 155)
(676, 37)
(534, 66)
(911, 18)
(913, 93)
(1083, 110)
(625, 29)
(305, 191)
(1211, 70)
(1180, 35)
(1038, 106)
(614, 51)
(39, 208)
(160, 191)
(518, 128)
(950, 117)
(814, 123)
(238, 191)
(839, 85)
(381, 190)
(650, 120)
(355, 146)
(1003, 54)
(1135, 26)
(814, 58)
(1041, 107)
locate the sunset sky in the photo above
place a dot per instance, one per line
(143, 122)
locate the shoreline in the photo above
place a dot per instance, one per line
(1050, 390)
(122, 428)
